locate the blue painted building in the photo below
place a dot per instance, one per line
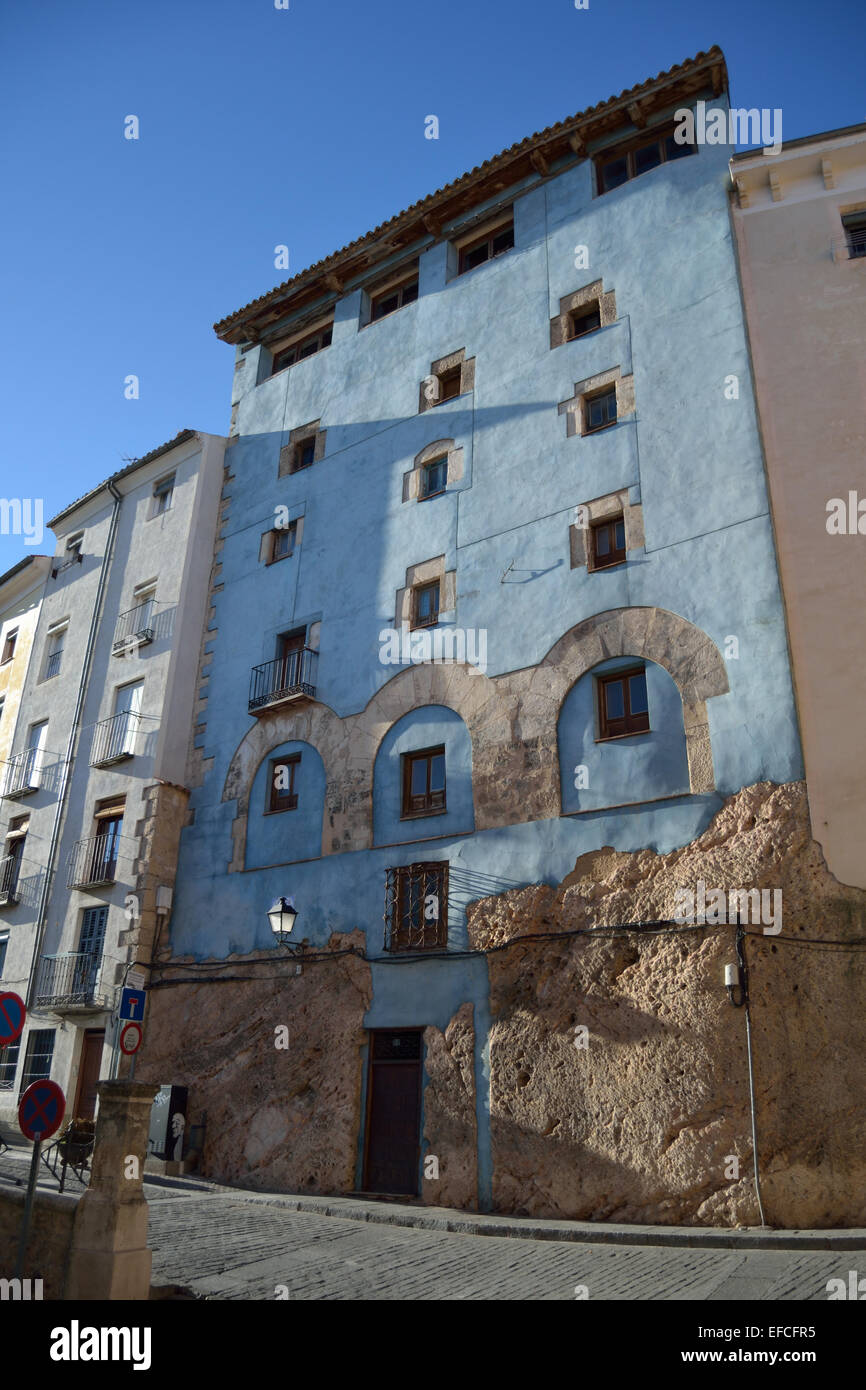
(495, 586)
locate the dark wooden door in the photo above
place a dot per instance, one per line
(88, 1074)
(393, 1113)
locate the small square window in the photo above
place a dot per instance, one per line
(854, 224)
(424, 782)
(583, 321)
(304, 454)
(622, 704)
(607, 543)
(426, 605)
(449, 385)
(282, 788)
(434, 477)
(162, 495)
(283, 542)
(600, 410)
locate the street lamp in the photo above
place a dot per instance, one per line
(281, 916)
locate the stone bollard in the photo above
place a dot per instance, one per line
(109, 1257)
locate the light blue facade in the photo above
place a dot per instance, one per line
(689, 455)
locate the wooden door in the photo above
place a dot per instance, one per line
(393, 1113)
(88, 1074)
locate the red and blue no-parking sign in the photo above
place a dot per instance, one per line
(12, 1015)
(41, 1111)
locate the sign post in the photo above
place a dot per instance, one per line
(132, 1002)
(40, 1115)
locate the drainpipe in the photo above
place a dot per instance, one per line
(66, 774)
(744, 975)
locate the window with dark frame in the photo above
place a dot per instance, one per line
(449, 385)
(600, 410)
(282, 795)
(425, 606)
(416, 907)
(9, 1065)
(583, 321)
(395, 297)
(622, 703)
(283, 542)
(38, 1057)
(607, 543)
(305, 347)
(162, 495)
(9, 646)
(854, 224)
(303, 454)
(613, 169)
(423, 783)
(486, 247)
(434, 477)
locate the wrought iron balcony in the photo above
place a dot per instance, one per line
(114, 738)
(71, 981)
(290, 677)
(9, 869)
(22, 773)
(92, 862)
(134, 628)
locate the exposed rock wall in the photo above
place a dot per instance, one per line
(450, 1128)
(281, 1118)
(641, 1124)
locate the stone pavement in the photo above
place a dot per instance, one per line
(240, 1246)
(224, 1243)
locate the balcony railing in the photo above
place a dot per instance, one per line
(134, 628)
(114, 738)
(290, 677)
(71, 981)
(22, 773)
(52, 666)
(9, 868)
(851, 246)
(92, 861)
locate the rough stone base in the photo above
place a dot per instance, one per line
(644, 1123)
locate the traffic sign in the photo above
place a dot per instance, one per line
(12, 1015)
(132, 1003)
(130, 1038)
(41, 1111)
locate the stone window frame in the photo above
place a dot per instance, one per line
(438, 369)
(582, 299)
(574, 409)
(288, 453)
(439, 448)
(417, 576)
(607, 508)
(266, 544)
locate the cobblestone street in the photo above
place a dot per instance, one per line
(221, 1247)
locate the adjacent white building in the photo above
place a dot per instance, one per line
(93, 784)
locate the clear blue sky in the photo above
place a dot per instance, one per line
(305, 127)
